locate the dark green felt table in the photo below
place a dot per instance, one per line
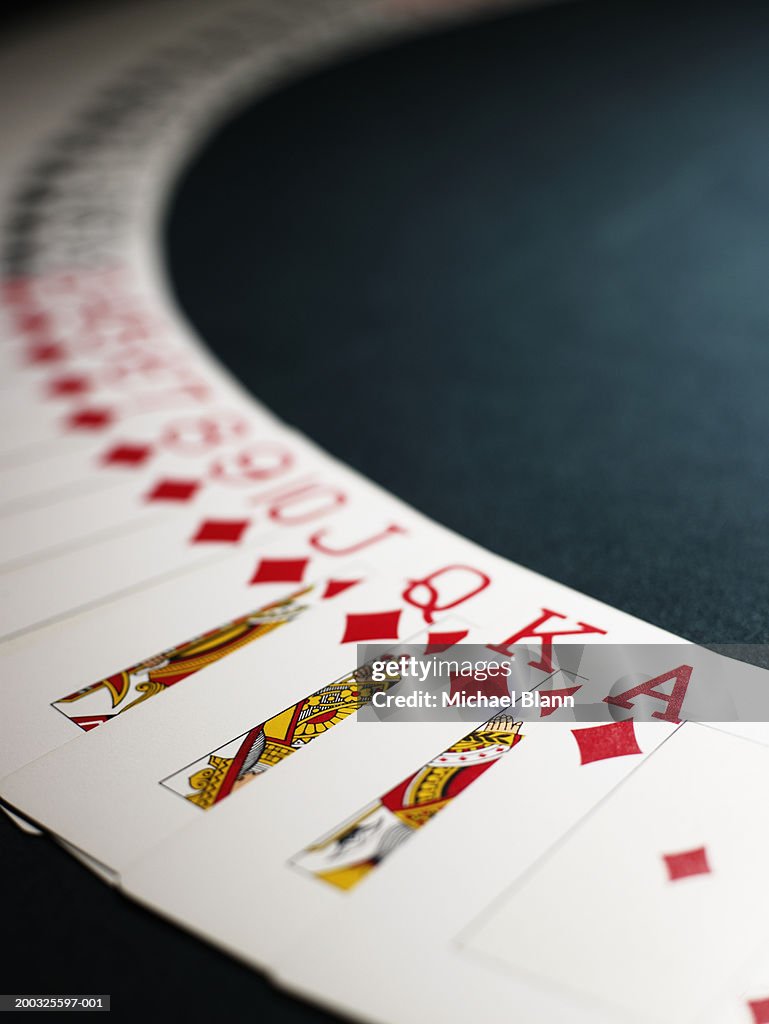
(518, 273)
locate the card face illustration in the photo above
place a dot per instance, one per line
(101, 701)
(214, 776)
(345, 856)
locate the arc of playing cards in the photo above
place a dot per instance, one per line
(167, 536)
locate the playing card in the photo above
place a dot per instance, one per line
(513, 604)
(348, 853)
(22, 823)
(82, 671)
(126, 810)
(441, 575)
(367, 851)
(328, 502)
(257, 830)
(181, 668)
(370, 770)
(578, 913)
(269, 469)
(67, 407)
(215, 443)
(657, 900)
(320, 875)
(746, 999)
(73, 581)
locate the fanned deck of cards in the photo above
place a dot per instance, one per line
(186, 582)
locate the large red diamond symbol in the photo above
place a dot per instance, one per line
(760, 1010)
(437, 643)
(30, 321)
(567, 691)
(371, 626)
(127, 455)
(334, 587)
(74, 384)
(472, 685)
(598, 742)
(280, 570)
(686, 864)
(90, 419)
(173, 490)
(220, 531)
(45, 352)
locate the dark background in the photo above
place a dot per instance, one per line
(517, 274)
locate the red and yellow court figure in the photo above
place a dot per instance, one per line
(101, 701)
(220, 772)
(345, 856)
